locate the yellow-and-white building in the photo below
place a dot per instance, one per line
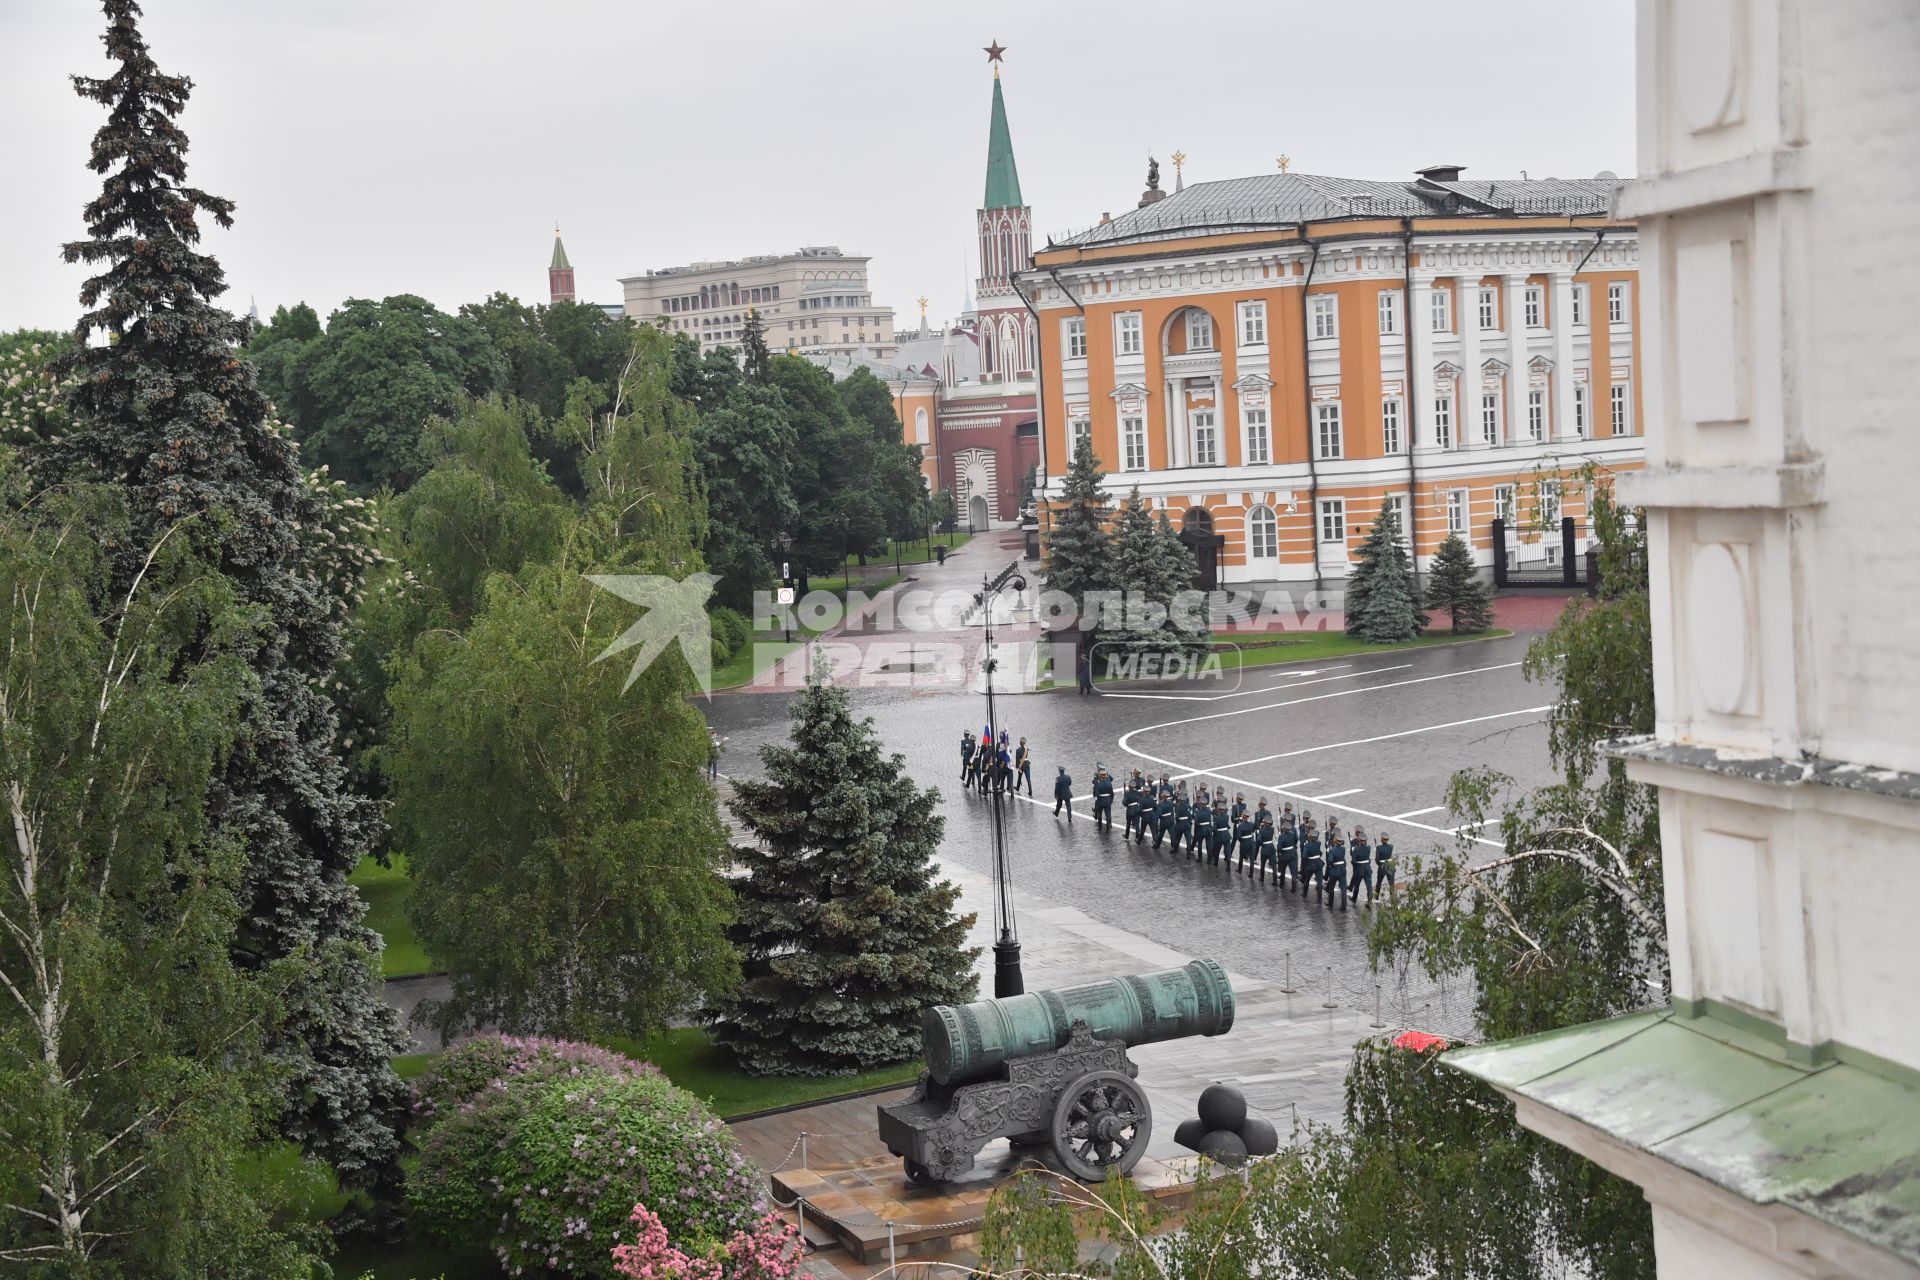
(1272, 359)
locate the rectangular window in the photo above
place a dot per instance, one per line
(1443, 421)
(1622, 418)
(1489, 310)
(1580, 411)
(1325, 315)
(1326, 418)
(1390, 426)
(1579, 317)
(1126, 328)
(1082, 432)
(1457, 511)
(1536, 305)
(1537, 414)
(1253, 324)
(1442, 311)
(1133, 444)
(1206, 439)
(1550, 504)
(1076, 337)
(1503, 503)
(1490, 417)
(1617, 303)
(1199, 331)
(1389, 311)
(1259, 438)
(1333, 520)
(1263, 534)
(1397, 505)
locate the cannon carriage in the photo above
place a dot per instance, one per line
(1049, 1068)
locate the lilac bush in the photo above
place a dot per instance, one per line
(543, 1147)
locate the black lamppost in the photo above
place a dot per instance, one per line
(1007, 977)
(786, 581)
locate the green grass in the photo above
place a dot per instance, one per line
(692, 1061)
(411, 1066)
(1314, 646)
(386, 889)
(413, 1260)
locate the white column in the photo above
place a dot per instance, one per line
(1418, 409)
(1560, 316)
(1176, 422)
(1466, 396)
(1513, 420)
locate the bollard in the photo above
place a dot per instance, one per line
(893, 1258)
(803, 1150)
(1288, 986)
(1331, 1002)
(800, 1213)
(1376, 1024)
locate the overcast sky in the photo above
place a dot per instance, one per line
(377, 147)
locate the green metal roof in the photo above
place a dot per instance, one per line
(559, 262)
(1003, 179)
(1834, 1139)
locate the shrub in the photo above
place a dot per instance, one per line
(543, 1148)
(731, 627)
(769, 1250)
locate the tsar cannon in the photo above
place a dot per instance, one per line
(1049, 1067)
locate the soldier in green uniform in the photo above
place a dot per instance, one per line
(1202, 822)
(1311, 867)
(1023, 768)
(1245, 837)
(1383, 861)
(1063, 794)
(1239, 805)
(1162, 813)
(1222, 844)
(1360, 855)
(1287, 838)
(966, 759)
(1264, 843)
(1182, 820)
(1130, 801)
(1102, 798)
(1336, 875)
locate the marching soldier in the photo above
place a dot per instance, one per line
(1222, 830)
(966, 759)
(1102, 798)
(1383, 861)
(1336, 875)
(1288, 840)
(1202, 822)
(982, 770)
(1003, 773)
(1130, 801)
(1063, 794)
(1163, 812)
(1245, 836)
(1310, 863)
(1182, 821)
(1360, 854)
(1023, 766)
(1239, 806)
(1264, 844)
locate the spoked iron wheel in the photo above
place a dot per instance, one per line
(1100, 1125)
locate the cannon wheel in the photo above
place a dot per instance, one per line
(918, 1174)
(1101, 1124)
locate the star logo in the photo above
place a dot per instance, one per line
(994, 50)
(675, 611)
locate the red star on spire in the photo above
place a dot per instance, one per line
(994, 50)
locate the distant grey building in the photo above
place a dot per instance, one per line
(816, 300)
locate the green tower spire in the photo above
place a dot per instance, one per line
(560, 262)
(1003, 179)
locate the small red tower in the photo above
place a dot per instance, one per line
(559, 273)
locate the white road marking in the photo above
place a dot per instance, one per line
(1335, 795)
(1248, 693)
(1414, 813)
(1126, 739)
(1382, 737)
(1299, 782)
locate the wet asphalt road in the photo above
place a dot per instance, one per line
(1373, 738)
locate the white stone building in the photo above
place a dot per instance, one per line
(814, 301)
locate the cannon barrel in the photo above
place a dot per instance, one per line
(968, 1041)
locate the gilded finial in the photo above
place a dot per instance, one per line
(1179, 158)
(1283, 162)
(923, 306)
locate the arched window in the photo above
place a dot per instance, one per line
(920, 426)
(1009, 346)
(1263, 534)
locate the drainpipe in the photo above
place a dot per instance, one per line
(1411, 400)
(1306, 398)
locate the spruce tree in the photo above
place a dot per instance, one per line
(1453, 584)
(1151, 563)
(844, 934)
(166, 411)
(755, 360)
(1079, 552)
(1382, 604)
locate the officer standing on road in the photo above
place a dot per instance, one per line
(1310, 865)
(1063, 794)
(1130, 801)
(1383, 861)
(1163, 812)
(966, 759)
(1288, 840)
(1360, 854)
(1102, 798)
(1336, 878)
(1023, 765)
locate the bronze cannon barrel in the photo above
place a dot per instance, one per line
(968, 1041)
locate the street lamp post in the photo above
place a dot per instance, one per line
(1007, 977)
(786, 580)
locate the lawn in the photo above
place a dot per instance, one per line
(1316, 645)
(386, 889)
(692, 1061)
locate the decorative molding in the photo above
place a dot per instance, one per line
(1252, 382)
(1778, 171)
(1781, 488)
(1493, 367)
(1446, 371)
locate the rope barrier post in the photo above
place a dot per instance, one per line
(1331, 1003)
(893, 1257)
(803, 1150)
(1288, 986)
(1377, 1023)
(800, 1212)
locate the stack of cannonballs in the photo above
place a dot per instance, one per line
(1224, 1130)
